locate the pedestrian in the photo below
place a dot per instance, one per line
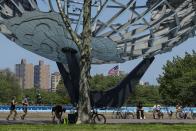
(57, 112)
(25, 104)
(140, 111)
(13, 108)
(39, 99)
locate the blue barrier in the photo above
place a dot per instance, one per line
(71, 108)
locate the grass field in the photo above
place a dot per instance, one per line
(106, 127)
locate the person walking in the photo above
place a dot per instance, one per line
(25, 104)
(13, 108)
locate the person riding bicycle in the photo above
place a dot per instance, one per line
(157, 110)
(178, 108)
(180, 112)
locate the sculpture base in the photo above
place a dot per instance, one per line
(114, 97)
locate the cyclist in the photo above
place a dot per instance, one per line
(180, 112)
(178, 108)
(157, 111)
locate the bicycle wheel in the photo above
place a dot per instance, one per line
(194, 116)
(179, 115)
(99, 119)
(119, 115)
(129, 115)
(113, 115)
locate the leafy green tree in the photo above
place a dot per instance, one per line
(61, 90)
(101, 82)
(148, 95)
(48, 98)
(178, 82)
(9, 86)
(51, 98)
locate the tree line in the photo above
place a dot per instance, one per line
(178, 81)
(177, 84)
(9, 87)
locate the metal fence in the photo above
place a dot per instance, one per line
(69, 108)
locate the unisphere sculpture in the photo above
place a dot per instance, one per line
(122, 30)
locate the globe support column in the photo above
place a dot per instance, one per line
(70, 74)
(114, 97)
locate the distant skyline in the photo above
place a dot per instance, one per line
(11, 54)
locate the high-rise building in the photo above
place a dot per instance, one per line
(24, 73)
(55, 78)
(42, 76)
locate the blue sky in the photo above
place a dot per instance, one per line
(156, 68)
(10, 54)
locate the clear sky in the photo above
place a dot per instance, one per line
(11, 54)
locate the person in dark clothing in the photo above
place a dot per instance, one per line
(140, 111)
(39, 99)
(57, 112)
(13, 108)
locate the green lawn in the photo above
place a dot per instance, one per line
(107, 127)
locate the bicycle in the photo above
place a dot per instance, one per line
(181, 114)
(97, 118)
(129, 115)
(116, 114)
(158, 114)
(169, 113)
(119, 114)
(193, 115)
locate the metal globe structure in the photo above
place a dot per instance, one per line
(122, 30)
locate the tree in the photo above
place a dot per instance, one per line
(148, 95)
(178, 82)
(50, 98)
(101, 82)
(9, 86)
(83, 43)
(61, 91)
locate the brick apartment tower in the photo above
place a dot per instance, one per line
(42, 76)
(25, 74)
(55, 78)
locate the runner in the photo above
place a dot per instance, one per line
(25, 104)
(13, 108)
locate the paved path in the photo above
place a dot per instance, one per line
(109, 121)
(33, 122)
